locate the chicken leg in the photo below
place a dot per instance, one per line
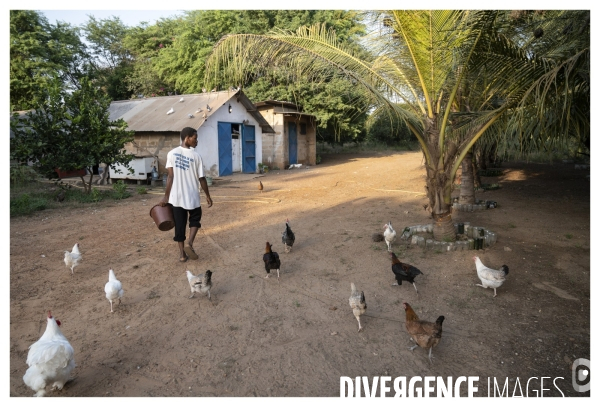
(359, 325)
(480, 285)
(111, 308)
(430, 355)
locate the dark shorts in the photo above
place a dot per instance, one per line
(180, 216)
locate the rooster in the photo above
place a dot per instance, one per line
(404, 271)
(490, 278)
(288, 237)
(271, 260)
(73, 258)
(425, 334)
(389, 235)
(113, 289)
(50, 360)
(357, 303)
(201, 283)
(260, 186)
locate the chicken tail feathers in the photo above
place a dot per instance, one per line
(504, 268)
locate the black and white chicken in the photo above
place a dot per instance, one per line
(490, 278)
(202, 283)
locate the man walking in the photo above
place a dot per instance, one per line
(185, 175)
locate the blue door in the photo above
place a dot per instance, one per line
(248, 149)
(224, 139)
(293, 143)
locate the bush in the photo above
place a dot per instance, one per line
(120, 190)
(22, 174)
(141, 190)
(25, 204)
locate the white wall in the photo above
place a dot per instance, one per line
(208, 147)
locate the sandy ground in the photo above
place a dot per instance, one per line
(258, 337)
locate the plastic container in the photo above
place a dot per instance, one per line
(163, 217)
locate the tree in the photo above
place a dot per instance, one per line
(69, 131)
(112, 62)
(171, 54)
(39, 52)
(427, 60)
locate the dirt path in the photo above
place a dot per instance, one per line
(296, 338)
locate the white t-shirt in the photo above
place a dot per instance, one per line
(187, 171)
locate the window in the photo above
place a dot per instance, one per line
(235, 131)
(302, 128)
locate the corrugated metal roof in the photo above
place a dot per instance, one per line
(281, 107)
(150, 114)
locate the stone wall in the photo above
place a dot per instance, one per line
(154, 144)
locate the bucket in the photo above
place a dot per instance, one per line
(163, 217)
(209, 181)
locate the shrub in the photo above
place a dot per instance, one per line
(25, 204)
(120, 190)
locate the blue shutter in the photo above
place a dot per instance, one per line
(293, 143)
(248, 149)
(224, 134)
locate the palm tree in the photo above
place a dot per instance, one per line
(452, 76)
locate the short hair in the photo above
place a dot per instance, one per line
(187, 132)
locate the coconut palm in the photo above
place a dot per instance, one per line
(452, 76)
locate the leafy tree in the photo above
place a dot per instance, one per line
(111, 60)
(386, 128)
(40, 51)
(171, 54)
(430, 60)
(69, 131)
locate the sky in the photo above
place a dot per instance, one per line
(130, 18)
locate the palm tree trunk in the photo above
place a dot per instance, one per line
(439, 187)
(467, 188)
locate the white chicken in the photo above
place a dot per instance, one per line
(357, 303)
(73, 258)
(201, 283)
(113, 289)
(50, 360)
(490, 278)
(171, 110)
(389, 235)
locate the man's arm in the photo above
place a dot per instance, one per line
(165, 200)
(204, 186)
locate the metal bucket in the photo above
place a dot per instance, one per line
(163, 217)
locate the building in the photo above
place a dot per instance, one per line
(230, 129)
(294, 140)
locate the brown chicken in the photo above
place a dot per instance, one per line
(260, 186)
(425, 334)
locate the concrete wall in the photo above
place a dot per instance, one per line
(160, 144)
(275, 147)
